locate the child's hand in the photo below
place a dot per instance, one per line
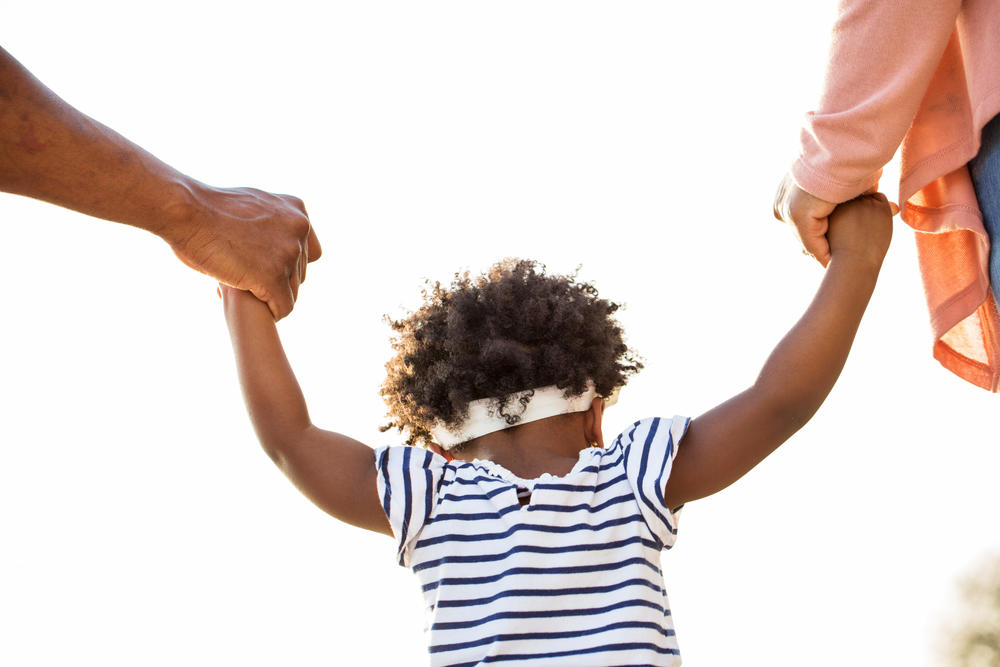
(861, 229)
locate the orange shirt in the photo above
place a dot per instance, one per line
(924, 73)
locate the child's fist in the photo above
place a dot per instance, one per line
(861, 229)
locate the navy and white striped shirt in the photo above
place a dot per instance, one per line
(571, 578)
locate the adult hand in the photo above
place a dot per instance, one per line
(252, 240)
(809, 215)
(249, 239)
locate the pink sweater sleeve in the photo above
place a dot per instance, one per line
(882, 56)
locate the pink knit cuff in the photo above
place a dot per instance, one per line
(829, 189)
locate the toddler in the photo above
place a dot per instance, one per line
(535, 541)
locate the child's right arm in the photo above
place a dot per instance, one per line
(337, 473)
(726, 442)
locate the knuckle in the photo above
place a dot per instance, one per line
(289, 255)
(300, 227)
(295, 224)
(295, 202)
(252, 193)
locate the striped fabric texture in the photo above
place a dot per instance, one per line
(571, 578)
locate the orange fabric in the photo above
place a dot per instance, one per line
(924, 73)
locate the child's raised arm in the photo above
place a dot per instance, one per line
(726, 442)
(336, 472)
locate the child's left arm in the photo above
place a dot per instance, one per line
(723, 444)
(337, 473)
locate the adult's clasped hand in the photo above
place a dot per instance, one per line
(249, 239)
(809, 217)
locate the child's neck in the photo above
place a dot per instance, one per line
(549, 445)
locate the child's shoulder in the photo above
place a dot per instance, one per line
(646, 432)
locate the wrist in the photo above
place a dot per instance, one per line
(181, 210)
(243, 305)
(861, 263)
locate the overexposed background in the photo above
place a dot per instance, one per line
(142, 525)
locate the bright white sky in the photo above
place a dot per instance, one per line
(141, 523)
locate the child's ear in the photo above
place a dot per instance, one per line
(592, 419)
(439, 450)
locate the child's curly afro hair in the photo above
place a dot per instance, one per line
(495, 336)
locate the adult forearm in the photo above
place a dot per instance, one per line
(244, 237)
(273, 398)
(882, 57)
(51, 151)
(803, 368)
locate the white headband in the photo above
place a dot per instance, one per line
(544, 402)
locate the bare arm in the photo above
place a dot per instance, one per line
(243, 237)
(726, 442)
(336, 472)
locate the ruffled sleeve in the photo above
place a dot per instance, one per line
(649, 449)
(408, 482)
